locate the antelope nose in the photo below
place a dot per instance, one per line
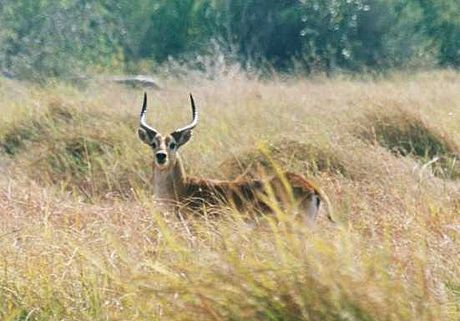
(161, 157)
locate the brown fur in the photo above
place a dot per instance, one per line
(173, 188)
(251, 194)
(288, 189)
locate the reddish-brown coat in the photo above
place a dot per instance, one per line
(250, 194)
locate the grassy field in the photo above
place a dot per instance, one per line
(80, 238)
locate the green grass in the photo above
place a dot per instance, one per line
(81, 239)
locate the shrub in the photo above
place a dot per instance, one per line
(407, 134)
(305, 158)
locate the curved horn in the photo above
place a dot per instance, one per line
(143, 123)
(194, 118)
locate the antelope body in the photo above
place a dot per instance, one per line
(173, 188)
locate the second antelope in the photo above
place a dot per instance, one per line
(173, 188)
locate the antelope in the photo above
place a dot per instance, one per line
(172, 187)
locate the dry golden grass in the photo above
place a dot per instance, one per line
(80, 238)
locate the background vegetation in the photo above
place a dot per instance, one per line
(63, 38)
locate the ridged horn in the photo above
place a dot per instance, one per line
(143, 123)
(194, 118)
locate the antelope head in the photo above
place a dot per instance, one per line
(165, 147)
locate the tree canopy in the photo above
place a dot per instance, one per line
(58, 38)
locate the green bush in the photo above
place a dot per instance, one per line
(60, 38)
(47, 38)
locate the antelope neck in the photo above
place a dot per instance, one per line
(169, 184)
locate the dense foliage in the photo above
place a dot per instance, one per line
(67, 37)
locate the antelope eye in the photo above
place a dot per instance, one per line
(172, 146)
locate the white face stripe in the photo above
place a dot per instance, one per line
(162, 145)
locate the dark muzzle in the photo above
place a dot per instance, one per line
(161, 157)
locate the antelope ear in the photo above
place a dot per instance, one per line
(146, 136)
(182, 137)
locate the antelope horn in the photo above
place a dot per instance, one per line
(143, 123)
(194, 118)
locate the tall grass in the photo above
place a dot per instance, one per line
(81, 239)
